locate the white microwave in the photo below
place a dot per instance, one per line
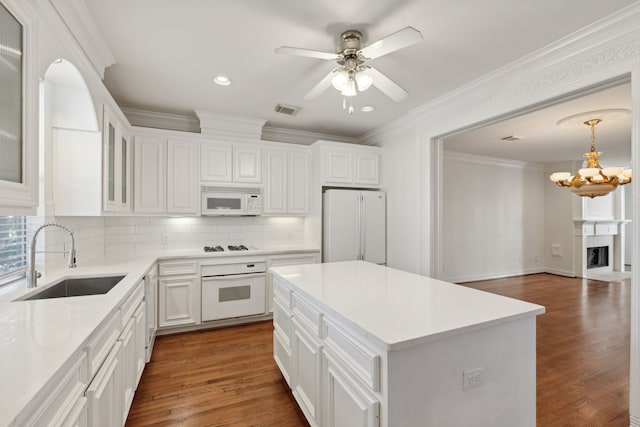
(231, 201)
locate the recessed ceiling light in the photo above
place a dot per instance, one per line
(222, 80)
(367, 108)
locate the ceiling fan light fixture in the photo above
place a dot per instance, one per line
(339, 80)
(363, 81)
(349, 88)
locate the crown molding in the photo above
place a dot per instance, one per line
(230, 126)
(491, 161)
(168, 121)
(79, 21)
(278, 134)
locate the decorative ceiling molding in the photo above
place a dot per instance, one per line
(230, 126)
(292, 136)
(152, 119)
(490, 161)
(78, 19)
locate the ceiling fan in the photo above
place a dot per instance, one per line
(353, 74)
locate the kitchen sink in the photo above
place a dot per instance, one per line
(77, 287)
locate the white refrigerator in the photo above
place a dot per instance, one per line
(354, 226)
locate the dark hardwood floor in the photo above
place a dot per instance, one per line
(227, 377)
(582, 347)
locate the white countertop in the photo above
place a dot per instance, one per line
(399, 309)
(38, 337)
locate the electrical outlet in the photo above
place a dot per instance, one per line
(472, 378)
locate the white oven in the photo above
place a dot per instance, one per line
(233, 290)
(229, 201)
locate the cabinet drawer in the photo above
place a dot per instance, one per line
(177, 268)
(282, 320)
(362, 361)
(99, 346)
(131, 303)
(307, 315)
(61, 401)
(281, 292)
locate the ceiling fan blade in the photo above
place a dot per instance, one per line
(320, 87)
(286, 50)
(386, 85)
(396, 41)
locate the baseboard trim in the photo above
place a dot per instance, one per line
(478, 278)
(565, 273)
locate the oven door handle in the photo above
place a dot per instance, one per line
(233, 276)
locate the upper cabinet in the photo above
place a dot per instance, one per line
(349, 164)
(286, 181)
(166, 176)
(19, 106)
(224, 162)
(116, 193)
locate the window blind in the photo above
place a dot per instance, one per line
(13, 248)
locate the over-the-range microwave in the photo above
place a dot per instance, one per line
(231, 201)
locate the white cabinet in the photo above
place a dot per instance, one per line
(216, 162)
(105, 393)
(182, 177)
(150, 299)
(179, 294)
(287, 182)
(166, 176)
(348, 164)
(345, 401)
(140, 331)
(305, 372)
(150, 175)
(289, 259)
(128, 368)
(116, 158)
(224, 162)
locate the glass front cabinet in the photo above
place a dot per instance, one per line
(116, 165)
(18, 111)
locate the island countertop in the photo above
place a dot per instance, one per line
(397, 309)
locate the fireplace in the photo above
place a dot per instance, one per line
(597, 257)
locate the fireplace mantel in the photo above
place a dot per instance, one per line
(598, 226)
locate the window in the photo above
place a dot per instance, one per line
(13, 248)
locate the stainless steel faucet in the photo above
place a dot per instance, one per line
(32, 278)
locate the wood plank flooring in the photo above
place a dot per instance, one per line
(582, 347)
(227, 377)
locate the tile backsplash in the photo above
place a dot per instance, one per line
(135, 236)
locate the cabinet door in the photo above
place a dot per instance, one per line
(286, 260)
(305, 378)
(140, 332)
(150, 175)
(105, 393)
(298, 185)
(246, 165)
(110, 166)
(366, 168)
(177, 303)
(128, 365)
(346, 402)
(79, 415)
(216, 162)
(276, 182)
(182, 177)
(338, 166)
(124, 202)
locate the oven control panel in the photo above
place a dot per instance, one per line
(235, 268)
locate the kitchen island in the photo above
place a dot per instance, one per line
(367, 345)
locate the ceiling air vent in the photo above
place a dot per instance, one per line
(286, 109)
(511, 138)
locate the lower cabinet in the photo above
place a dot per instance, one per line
(333, 376)
(279, 260)
(345, 401)
(305, 378)
(179, 294)
(105, 393)
(79, 415)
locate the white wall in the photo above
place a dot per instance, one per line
(493, 218)
(558, 231)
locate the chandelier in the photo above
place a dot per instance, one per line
(593, 180)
